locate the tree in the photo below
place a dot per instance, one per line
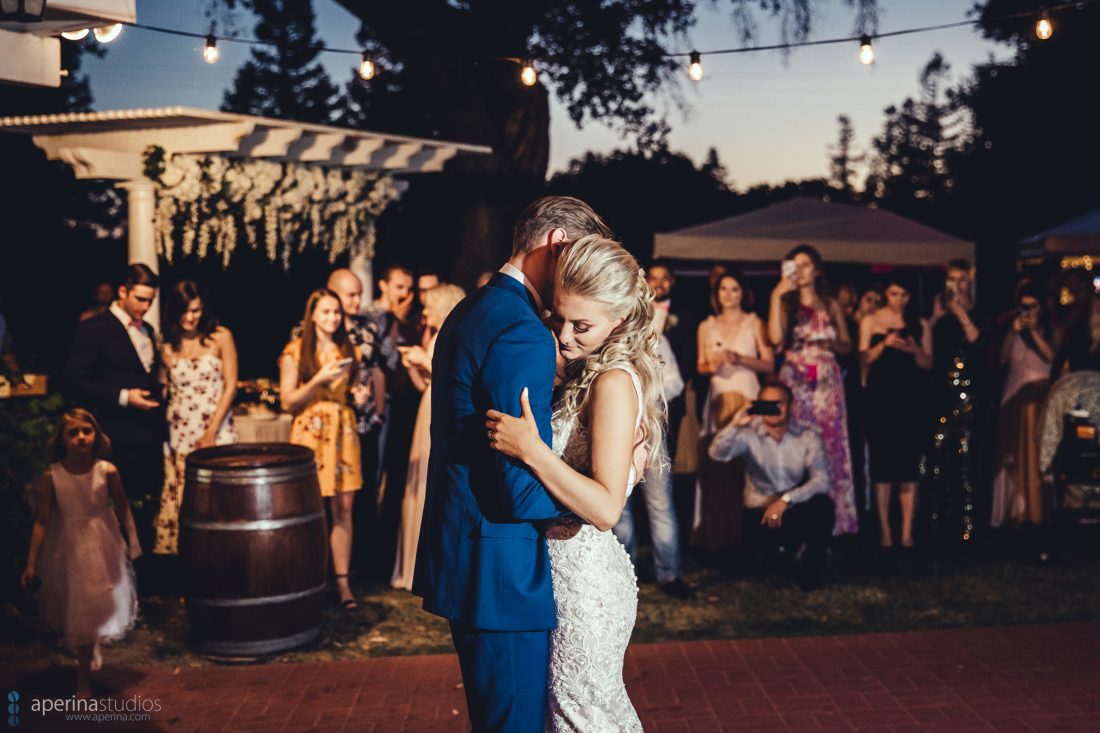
(842, 158)
(643, 192)
(910, 167)
(604, 60)
(288, 81)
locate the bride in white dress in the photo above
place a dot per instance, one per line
(608, 425)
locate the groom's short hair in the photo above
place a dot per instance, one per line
(556, 212)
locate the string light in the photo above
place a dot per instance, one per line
(695, 66)
(366, 67)
(76, 35)
(866, 50)
(528, 75)
(210, 51)
(1044, 28)
(108, 33)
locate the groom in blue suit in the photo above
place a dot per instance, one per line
(482, 562)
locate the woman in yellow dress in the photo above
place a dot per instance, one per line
(314, 385)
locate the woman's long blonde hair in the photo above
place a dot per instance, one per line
(600, 269)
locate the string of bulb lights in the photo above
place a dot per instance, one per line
(528, 75)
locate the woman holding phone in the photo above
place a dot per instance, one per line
(895, 347)
(733, 349)
(810, 327)
(314, 385)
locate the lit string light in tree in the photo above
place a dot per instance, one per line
(528, 75)
(1044, 28)
(210, 53)
(866, 50)
(366, 67)
(695, 67)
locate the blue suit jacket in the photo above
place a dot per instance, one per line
(481, 559)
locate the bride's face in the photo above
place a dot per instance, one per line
(581, 324)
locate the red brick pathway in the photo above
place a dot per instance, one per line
(1016, 678)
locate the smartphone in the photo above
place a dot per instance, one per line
(950, 290)
(347, 361)
(764, 407)
(789, 269)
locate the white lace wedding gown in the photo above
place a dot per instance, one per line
(596, 593)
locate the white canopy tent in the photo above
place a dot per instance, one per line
(111, 145)
(841, 232)
(1078, 236)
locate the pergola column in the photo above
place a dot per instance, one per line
(142, 247)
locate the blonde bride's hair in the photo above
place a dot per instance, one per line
(598, 268)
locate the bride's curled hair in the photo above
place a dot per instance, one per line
(598, 268)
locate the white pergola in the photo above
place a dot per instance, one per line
(111, 145)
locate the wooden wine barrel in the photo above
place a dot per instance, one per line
(253, 547)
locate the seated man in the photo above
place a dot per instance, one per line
(786, 500)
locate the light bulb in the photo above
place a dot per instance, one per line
(210, 51)
(366, 68)
(528, 76)
(76, 35)
(866, 51)
(1044, 28)
(107, 33)
(695, 67)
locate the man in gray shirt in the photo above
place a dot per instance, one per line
(786, 499)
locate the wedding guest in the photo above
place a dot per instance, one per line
(869, 302)
(895, 345)
(402, 401)
(1027, 353)
(786, 499)
(315, 385)
(114, 368)
(1080, 342)
(425, 281)
(733, 348)
(77, 551)
(678, 325)
(101, 301)
(811, 329)
(200, 365)
(958, 379)
(847, 297)
(438, 304)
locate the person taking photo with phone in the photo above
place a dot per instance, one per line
(1027, 354)
(786, 499)
(895, 347)
(733, 349)
(314, 385)
(809, 327)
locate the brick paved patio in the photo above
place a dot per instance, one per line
(1022, 678)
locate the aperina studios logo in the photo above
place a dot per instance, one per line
(91, 709)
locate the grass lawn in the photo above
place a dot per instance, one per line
(937, 585)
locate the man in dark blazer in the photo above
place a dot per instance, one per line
(482, 562)
(114, 370)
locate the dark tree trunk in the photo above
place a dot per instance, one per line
(456, 60)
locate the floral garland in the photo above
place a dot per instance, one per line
(210, 199)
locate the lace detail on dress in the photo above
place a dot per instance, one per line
(596, 593)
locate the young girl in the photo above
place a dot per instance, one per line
(88, 588)
(314, 385)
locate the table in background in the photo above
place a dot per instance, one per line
(265, 429)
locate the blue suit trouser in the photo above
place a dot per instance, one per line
(504, 674)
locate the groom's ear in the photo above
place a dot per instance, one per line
(556, 237)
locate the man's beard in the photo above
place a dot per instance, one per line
(661, 298)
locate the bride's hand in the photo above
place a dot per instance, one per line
(517, 437)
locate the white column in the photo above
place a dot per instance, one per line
(363, 268)
(140, 203)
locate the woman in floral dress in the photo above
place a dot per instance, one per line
(810, 328)
(200, 365)
(314, 386)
